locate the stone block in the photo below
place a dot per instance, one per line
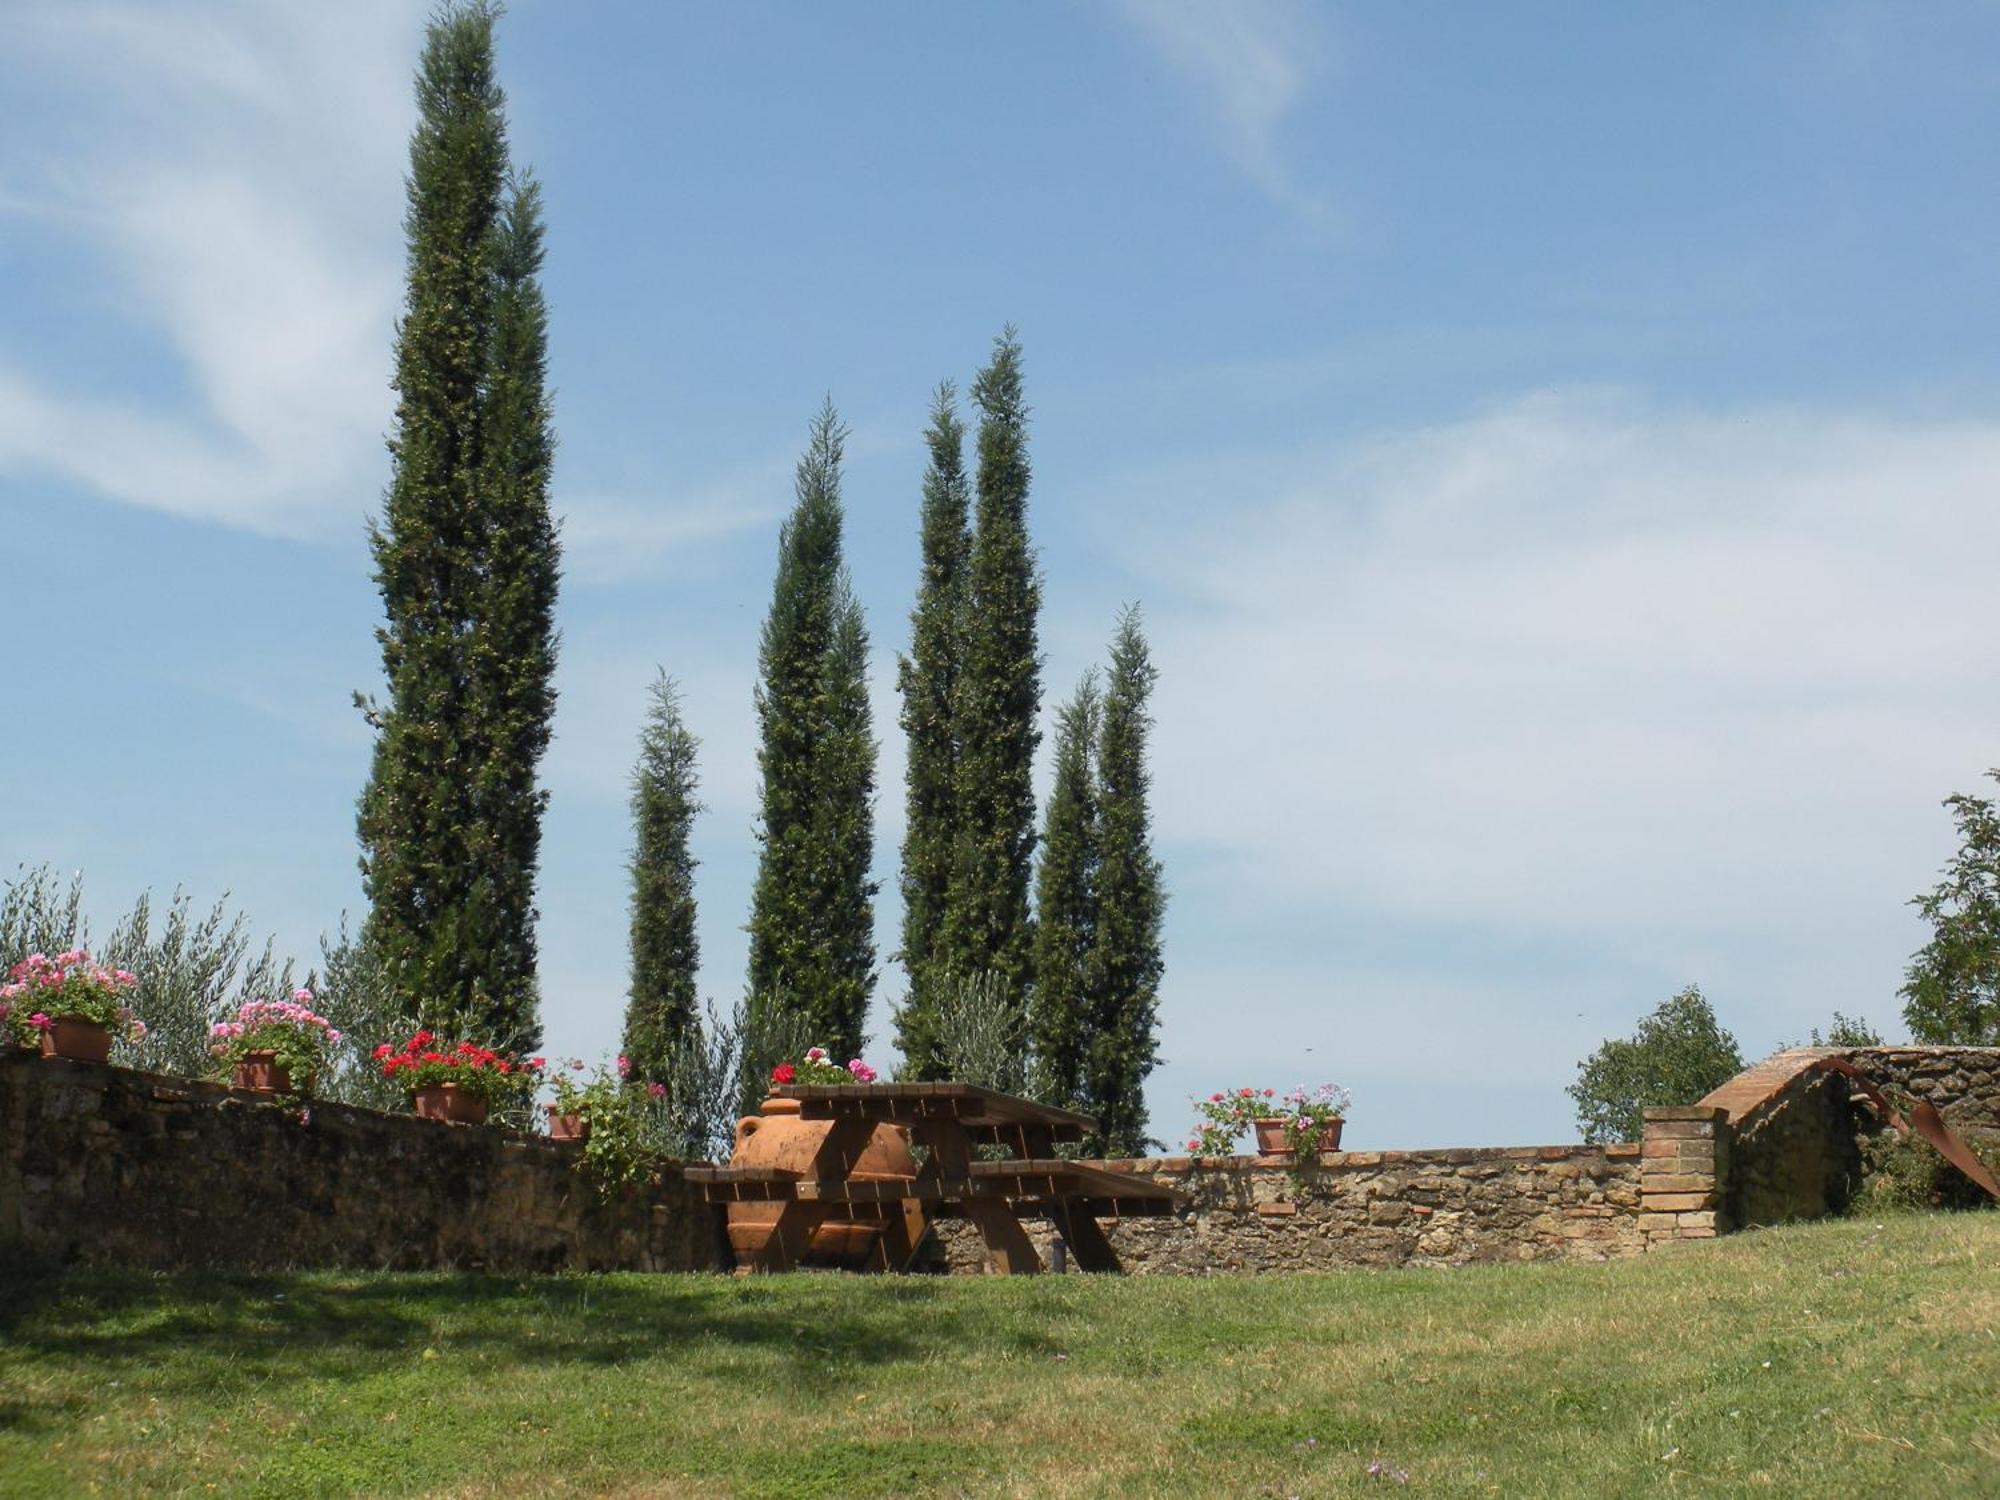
(1676, 1182)
(1680, 1130)
(1676, 1202)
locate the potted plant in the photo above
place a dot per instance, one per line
(610, 1114)
(455, 1082)
(1224, 1116)
(69, 1006)
(818, 1066)
(1308, 1122)
(1302, 1122)
(275, 1046)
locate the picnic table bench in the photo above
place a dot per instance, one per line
(948, 1120)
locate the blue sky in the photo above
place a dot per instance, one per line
(1554, 446)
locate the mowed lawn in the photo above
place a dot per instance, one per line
(1851, 1358)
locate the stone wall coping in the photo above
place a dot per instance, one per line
(1445, 1156)
(1702, 1111)
(1758, 1086)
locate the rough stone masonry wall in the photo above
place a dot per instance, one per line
(1370, 1208)
(1800, 1139)
(107, 1166)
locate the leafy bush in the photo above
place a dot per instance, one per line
(1951, 992)
(982, 1032)
(1678, 1054)
(766, 1034)
(1902, 1170)
(189, 971)
(697, 1117)
(1846, 1031)
(357, 994)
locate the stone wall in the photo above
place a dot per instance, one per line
(1804, 1142)
(1370, 1208)
(108, 1166)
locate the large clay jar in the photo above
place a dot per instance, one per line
(779, 1138)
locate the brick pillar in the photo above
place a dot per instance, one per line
(1684, 1173)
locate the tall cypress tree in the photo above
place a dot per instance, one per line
(1125, 961)
(467, 563)
(1062, 1011)
(660, 1010)
(928, 680)
(988, 925)
(812, 919)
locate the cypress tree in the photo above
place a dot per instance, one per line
(661, 1011)
(928, 679)
(988, 926)
(1066, 906)
(812, 920)
(467, 563)
(1125, 961)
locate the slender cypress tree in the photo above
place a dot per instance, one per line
(661, 1008)
(928, 679)
(1125, 961)
(467, 563)
(812, 921)
(988, 925)
(1066, 907)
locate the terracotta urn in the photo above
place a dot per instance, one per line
(777, 1137)
(450, 1103)
(78, 1039)
(259, 1072)
(567, 1127)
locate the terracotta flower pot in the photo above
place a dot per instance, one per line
(74, 1037)
(1271, 1138)
(567, 1127)
(779, 1138)
(260, 1073)
(452, 1104)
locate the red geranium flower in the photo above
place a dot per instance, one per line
(784, 1073)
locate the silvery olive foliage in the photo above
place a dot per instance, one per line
(192, 968)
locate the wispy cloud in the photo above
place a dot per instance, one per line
(1664, 688)
(232, 169)
(1251, 61)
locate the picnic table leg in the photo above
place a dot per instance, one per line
(1009, 1251)
(1085, 1238)
(790, 1238)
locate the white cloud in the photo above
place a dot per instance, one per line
(613, 538)
(235, 167)
(1652, 687)
(1251, 61)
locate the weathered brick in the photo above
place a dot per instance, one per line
(1679, 1129)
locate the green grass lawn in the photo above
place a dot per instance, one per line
(1851, 1358)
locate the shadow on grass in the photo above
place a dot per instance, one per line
(321, 1325)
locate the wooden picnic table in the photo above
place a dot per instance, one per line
(948, 1120)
